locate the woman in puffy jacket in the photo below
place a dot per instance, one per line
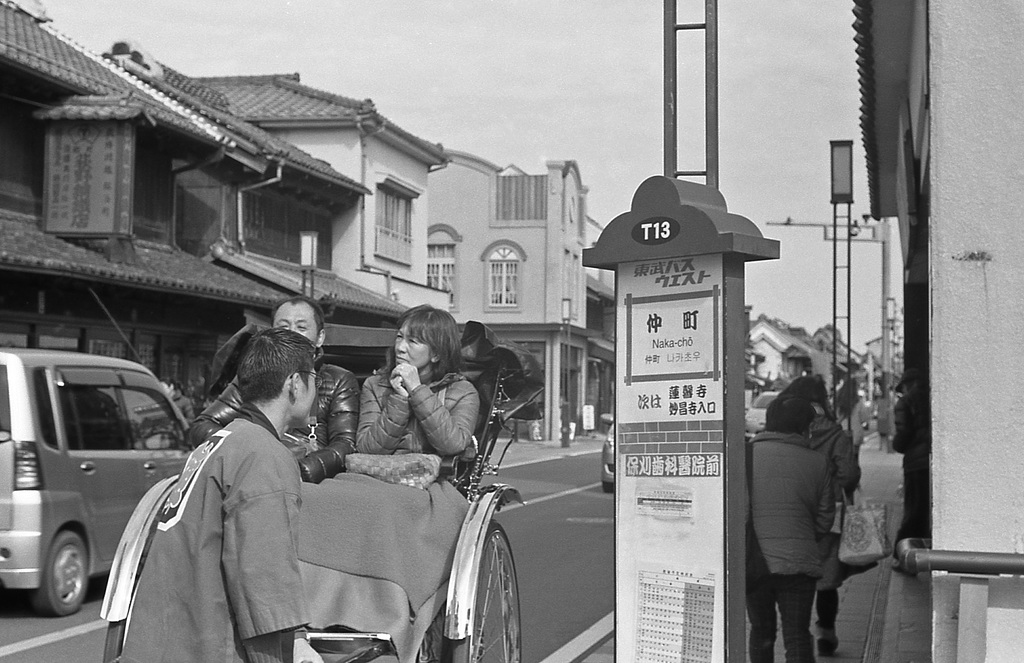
(829, 439)
(419, 402)
(374, 553)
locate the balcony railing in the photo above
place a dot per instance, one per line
(393, 245)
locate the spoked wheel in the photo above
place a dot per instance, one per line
(495, 637)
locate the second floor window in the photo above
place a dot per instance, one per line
(503, 265)
(441, 269)
(394, 226)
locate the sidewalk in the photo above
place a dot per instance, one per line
(524, 451)
(884, 617)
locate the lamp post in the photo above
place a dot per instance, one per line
(308, 240)
(566, 373)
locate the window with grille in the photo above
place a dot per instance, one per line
(441, 269)
(273, 223)
(503, 264)
(394, 226)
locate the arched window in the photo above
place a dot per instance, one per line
(503, 271)
(442, 241)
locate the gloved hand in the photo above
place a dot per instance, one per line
(323, 464)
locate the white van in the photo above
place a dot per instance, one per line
(82, 437)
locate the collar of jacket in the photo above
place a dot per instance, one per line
(438, 385)
(783, 438)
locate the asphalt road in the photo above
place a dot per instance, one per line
(562, 541)
(564, 551)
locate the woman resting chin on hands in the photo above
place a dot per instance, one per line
(419, 402)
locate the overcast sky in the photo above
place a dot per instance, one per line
(525, 81)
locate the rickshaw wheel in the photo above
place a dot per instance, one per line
(114, 643)
(495, 636)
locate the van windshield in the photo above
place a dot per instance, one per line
(5, 402)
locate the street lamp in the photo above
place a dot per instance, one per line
(308, 240)
(841, 193)
(566, 374)
(842, 171)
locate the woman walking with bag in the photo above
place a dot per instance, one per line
(828, 438)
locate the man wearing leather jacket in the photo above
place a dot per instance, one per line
(321, 450)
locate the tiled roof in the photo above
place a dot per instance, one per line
(27, 248)
(195, 89)
(175, 101)
(116, 107)
(284, 97)
(183, 88)
(328, 284)
(37, 47)
(24, 42)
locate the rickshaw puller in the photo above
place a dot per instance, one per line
(222, 581)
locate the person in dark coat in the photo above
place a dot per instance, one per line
(793, 507)
(913, 439)
(321, 447)
(830, 439)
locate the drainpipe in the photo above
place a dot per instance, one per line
(363, 135)
(238, 201)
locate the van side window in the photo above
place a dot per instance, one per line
(44, 406)
(152, 421)
(93, 418)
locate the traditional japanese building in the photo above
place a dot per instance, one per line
(132, 204)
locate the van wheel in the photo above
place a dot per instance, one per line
(65, 577)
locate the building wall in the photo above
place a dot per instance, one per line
(354, 231)
(977, 137)
(464, 208)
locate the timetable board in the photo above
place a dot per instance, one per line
(669, 502)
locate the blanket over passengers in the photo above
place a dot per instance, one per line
(374, 553)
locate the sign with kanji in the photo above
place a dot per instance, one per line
(89, 178)
(670, 453)
(679, 257)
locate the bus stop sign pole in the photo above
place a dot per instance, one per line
(680, 490)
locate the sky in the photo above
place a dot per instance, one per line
(526, 81)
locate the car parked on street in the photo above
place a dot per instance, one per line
(82, 437)
(756, 413)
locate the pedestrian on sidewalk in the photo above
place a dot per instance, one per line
(829, 439)
(913, 439)
(792, 504)
(853, 413)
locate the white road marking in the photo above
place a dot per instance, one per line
(545, 498)
(567, 454)
(50, 638)
(575, 648)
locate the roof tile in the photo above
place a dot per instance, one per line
(284, 97)
(27, 248)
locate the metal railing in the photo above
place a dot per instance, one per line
(917, 556)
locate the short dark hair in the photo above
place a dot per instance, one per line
(438, 329)
(270, 357)
(318, 313)
(810, 388)
(789, 414)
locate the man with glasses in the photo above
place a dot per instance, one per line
(320, 446)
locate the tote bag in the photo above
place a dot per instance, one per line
(863, 540)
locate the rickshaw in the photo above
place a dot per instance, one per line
(480, 619)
